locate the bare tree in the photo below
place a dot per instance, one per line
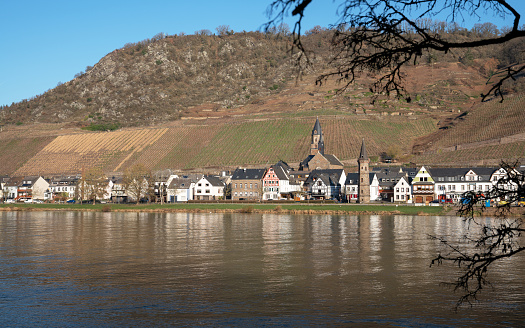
(383, 36)
(492, 243)
(136, 181)
(223, 30)
(94, 184)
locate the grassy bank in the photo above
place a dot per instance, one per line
(240, 208)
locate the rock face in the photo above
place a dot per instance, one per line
(154, 80)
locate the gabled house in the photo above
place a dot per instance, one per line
(388, 178)
(247, 184)
(3, 181)
(278, 184)
(403, 190)
(325, 184)
(423, 187)
(118, 190)
(180, 190)
(451, 183)
(33, 187)
(62, 187)
(11, 188)
(161, 181)
(209, 187)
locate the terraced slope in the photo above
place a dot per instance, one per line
(487, 134)
(252, 142)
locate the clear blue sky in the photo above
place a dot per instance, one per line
(46, 42)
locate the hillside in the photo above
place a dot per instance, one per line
(194, 145)
(209, 102)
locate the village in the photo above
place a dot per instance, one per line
(319, 177)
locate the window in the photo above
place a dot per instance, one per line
(245, 186)
(199, 185)
(402, 189)
(235, 186)
(198, 191)
(207, 191)
(251, 186)
(235, 194)
(255, 185)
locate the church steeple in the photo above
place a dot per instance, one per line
(317, 139)
(362, 154)
(364, 178)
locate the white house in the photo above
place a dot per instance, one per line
(65, 186)
(209, 188)
(326, 184)
(180, 190)
(403, 191)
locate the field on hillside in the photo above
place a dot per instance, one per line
(488, 121)
(487, 155)
(255, 142)
(487, 134)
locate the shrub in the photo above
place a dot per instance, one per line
(102, 127)
(247, 209)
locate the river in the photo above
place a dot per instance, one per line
(72, 269)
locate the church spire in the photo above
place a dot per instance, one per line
(363, 154)
(317, 139)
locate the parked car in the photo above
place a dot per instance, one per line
(38, 201)
(28, 201)
(71, 201)
(10, 201)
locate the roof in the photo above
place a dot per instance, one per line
(353, 178)
(284, 165)
(332, 159)
(248, 174)
(456, 173)
(329, 177)
(280, 172)
(362, 154)
(180, 183)
(317, 127)
(214, 180)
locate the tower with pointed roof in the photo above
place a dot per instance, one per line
(317, 145)
(317, 159)
(364, 177)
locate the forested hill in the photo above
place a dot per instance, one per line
(168, 77)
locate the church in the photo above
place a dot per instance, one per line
(318, 160)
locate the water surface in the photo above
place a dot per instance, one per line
(150, 269)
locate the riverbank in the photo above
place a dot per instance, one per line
(240, 208)
(370, 209)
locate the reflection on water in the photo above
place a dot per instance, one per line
(73, 268)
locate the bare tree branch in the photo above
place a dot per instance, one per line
(492, 243)
(383, 36)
